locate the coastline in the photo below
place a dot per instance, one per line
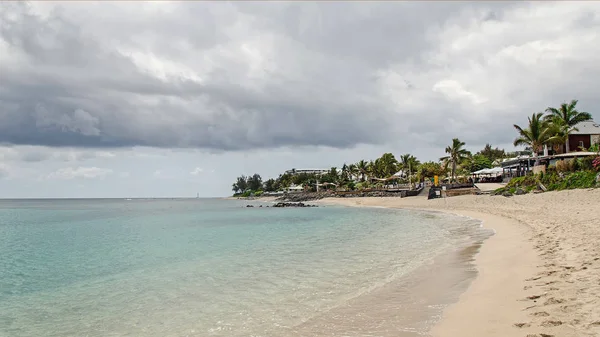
(537, 276)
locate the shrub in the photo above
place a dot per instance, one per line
(562, 166)
(587, 163)
(258, 193)
(581, 179)
(574, 165)
(550, 179)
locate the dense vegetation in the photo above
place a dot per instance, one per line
(359, 175)
(550, 129)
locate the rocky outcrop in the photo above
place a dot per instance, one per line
(292, 204)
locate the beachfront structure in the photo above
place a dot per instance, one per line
(518, 166)
(294, 188)
(306, 171)
(586, 135)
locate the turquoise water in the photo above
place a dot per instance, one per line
(200, 267)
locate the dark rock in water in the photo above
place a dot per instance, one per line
(292, 204)
(260, 206)
(249, 205)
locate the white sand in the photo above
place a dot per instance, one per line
(539, 276)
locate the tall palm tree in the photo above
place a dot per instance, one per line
(362, 167)
(568, 116)
(456, 154)
(353, 171)
(558, 133)
(536, 135)
(389, 165)
(409, 162)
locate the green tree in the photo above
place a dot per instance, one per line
(477, 162)
(456, 155)
(254, 182)
(363, 168)
(270, 185)
(566, 117)
(430, 169)
(387, 165)
(492, 153)
(535, 135)
(240, 185)
(409, 162)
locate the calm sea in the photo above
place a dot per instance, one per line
(210, 267)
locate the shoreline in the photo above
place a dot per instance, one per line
(510, 295)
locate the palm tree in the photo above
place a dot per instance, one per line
(409, 162)
(389, 165)
(558, 133)
(536, 135)
(353, 171)
(362, 167)
(568, 116)
(456, 154)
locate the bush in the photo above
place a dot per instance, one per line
(574, 165)
(582, 179)
(587, 163)
(562, 166)
(258, 193)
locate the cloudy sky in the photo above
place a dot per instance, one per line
(137, 99)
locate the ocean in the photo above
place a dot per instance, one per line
(213, 267)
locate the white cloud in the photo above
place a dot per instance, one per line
(68, 173)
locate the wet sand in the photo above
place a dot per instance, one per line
(538, 276)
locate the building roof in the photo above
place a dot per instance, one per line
(587, 128)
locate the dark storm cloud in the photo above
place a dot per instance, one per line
(235, 76)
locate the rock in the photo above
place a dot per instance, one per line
(292, 204)
(507, 194)
(598, 178)
(249, 205)
(520, 191)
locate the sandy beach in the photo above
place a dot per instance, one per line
(538, 276)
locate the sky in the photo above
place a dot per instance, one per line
(171, 99)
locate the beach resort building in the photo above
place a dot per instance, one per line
(306, 171)
(586, 135)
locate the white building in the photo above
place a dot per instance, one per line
(306, 171)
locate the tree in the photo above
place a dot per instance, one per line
(270, 185)
(491, 153)
(255, 182)
(456, 154)
(353, 172)
(477, 162)
(240, 185)
(387, 165)
(566, 117)
(409, 162)
(430, 169)
(362, 167)
(535, 135)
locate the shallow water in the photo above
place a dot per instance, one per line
(209, 267)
